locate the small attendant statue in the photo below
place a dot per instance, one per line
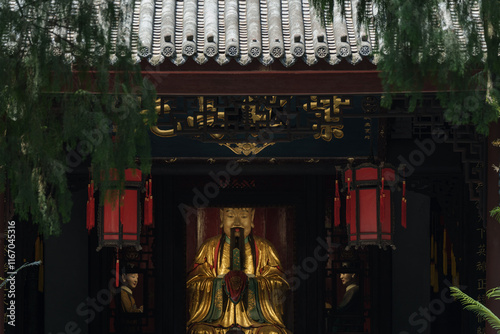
(349, 313)
(128, 314)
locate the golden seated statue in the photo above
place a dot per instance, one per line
(236, 284)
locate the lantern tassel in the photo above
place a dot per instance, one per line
(148, 222)
(348, 203)
(150, 200)
(122, 207)
(148, 203)
(88, 209)
(90, 222)
(382, 202)
(146, 211)
(403, 212)
(92, 206)
(87, 221)
(150, 210)
(403, 206)
(336, 204)
(117, 281)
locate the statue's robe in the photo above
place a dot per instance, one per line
(128, 319)
(128, 301)
(349, 314)
(259, 309)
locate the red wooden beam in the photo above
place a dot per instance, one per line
(268, 82)
(264, 82)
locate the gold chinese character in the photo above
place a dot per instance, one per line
(482, 230)
(481, 266)
(481, 284)
(481, 250)
(480, 330)
(481, 298)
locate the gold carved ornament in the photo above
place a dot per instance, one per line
(246, 148)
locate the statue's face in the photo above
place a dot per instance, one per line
(237, 217)
(130, 280)
(347, 278)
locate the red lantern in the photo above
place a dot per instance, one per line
(368, 205)
(120, 216)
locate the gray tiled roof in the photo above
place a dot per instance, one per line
(254, 30)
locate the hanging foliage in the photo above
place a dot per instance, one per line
(61, 110)
(419, 45)
(478, 308)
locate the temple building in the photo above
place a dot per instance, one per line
(262, 106)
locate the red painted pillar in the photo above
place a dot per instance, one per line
(492, 225)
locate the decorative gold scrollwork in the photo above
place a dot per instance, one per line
(246, 148)
(327, 131)
(164, 133)
(368, 127)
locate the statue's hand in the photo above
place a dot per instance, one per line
(235, 282)
(236, 279)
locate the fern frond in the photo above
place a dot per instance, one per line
(495, 293)
(476, 307)
(495, 213)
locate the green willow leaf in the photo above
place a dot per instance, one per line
(415, 52)
(58, 107)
